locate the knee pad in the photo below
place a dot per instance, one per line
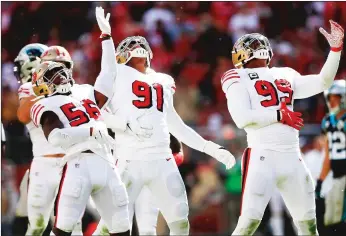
(120, 220)
(246, 226)
(37, 225)
(175, 184)
(181, 227)
(307, 227)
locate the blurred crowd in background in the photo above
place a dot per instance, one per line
(191, 41)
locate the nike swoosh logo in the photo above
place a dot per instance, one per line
(167, 159)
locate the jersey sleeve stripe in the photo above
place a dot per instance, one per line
(230, 77)
(34, 108)
(228, 74)
(36, 115)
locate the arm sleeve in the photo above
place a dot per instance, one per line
(310, 85)
(183, 132)
(67, 137)
(106, 79)
(239, 106)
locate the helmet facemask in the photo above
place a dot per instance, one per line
(135, 46)
(59, 54)
(251, 46)
(56, 79)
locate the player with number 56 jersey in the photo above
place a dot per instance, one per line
(260, 100)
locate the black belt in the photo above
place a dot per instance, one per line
(88, 151)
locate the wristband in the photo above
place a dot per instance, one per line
(105, 36)
(334, 49)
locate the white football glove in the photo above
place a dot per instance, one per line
(142, 131)
(220, 154)
(103, 21)
(100, 133)
(336, 36)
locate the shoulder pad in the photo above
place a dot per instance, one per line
(229, 77)
(25, 90)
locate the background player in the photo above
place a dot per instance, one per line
(334, 126)
(273, 157)
(149, 162)
(75, 125)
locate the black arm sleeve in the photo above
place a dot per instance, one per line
(175, 145)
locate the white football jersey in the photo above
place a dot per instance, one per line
(78, 109)
(134, 94)
(40, 145)
(266, 87)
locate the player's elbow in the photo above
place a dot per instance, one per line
(55, 137)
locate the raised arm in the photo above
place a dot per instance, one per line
(309, 85)
(188, 136)
(106, 79)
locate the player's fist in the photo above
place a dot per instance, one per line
(336, 36)
(220, 154)
(290, 118)
(103, 21)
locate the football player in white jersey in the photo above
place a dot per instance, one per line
(148, 162)
(37, 192)
(254, 92)
(334, 126)
(74, 123)
(46, 160)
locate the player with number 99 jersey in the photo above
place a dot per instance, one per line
(260, 100)
(266, 87)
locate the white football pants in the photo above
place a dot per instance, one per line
(90, 175)
(38, 190)
(262, 170)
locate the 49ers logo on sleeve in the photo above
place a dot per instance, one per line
(267, 89)
(229, 75)
(79, 117)
(144, 92)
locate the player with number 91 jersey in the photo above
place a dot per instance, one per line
(266, 87)
(140, 95)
